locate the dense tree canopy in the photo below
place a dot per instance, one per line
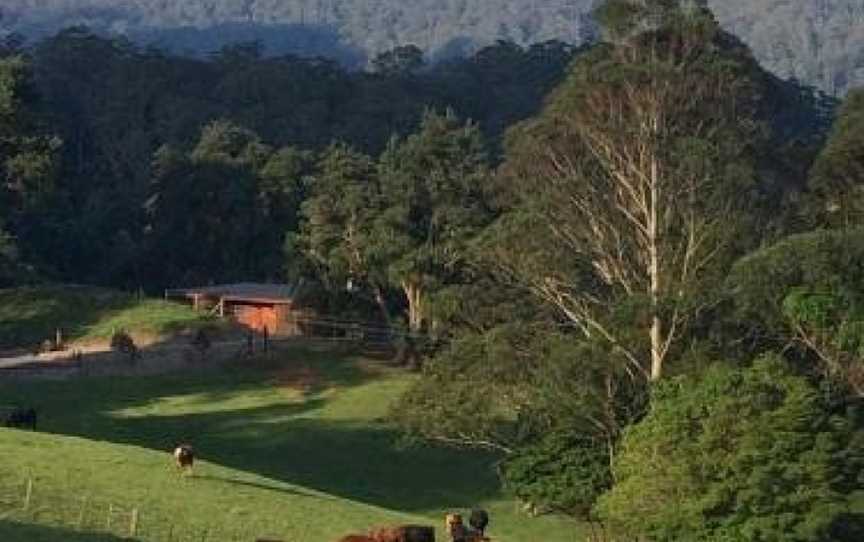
(638, 180)
(837, 179)
(114, 105)
(805, 291)
(28, 159)
(754, 454)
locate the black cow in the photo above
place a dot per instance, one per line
(22, 418)
(478, 520)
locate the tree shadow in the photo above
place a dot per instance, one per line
(264, 486)
(11, 531)
(239, 417)
(39, 312)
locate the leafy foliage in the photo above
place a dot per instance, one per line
(115, 105)
(637, 184)
(806, 288)
(191, 197)
(750, 454)
(836, 183)
(561, 472)
(433, 189)
(28, 160)
(511, 385)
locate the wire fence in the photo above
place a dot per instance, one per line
(75, 511)
(364, 337)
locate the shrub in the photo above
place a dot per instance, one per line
(738, 455)
(562, 472)
(122, 342)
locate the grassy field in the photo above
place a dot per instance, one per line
(31, 315)
(298, 449)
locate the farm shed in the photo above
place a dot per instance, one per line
(274, 307)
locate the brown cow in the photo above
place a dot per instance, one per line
(184, 457)
(404, 533)
(398, 533)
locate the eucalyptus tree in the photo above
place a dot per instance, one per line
(337, 229)
(433, 190)
(631, 191)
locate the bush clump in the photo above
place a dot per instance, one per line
(752, 454)
(562, 472)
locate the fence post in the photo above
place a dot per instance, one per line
(28, 494)
(108, 520)
(82, 514)
(133, 523)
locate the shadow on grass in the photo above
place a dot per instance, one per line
(241, 418)
(264, 486)
(31, 315)
(11, 531)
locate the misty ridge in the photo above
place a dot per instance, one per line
(820, 43)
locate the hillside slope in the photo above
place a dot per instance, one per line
(298, 449)
(226, 503)
(820, 42)
(30, 315)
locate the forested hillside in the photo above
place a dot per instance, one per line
(633, 269)
(821, 42)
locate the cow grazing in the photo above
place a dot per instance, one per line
(459, 533)
(22, 418)
(356, 538)
(404, 533)
(455, 528)
(478, 520)
(184, 457)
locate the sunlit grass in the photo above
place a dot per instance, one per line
(265, 441)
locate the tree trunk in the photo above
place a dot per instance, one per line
(409, 355)
(381, 301)
(656, 332)
(414, 294)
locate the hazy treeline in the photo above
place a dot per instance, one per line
(820, 43)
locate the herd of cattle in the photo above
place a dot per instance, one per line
(453, 524)
(184, 458)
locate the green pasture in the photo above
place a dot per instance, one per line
(30, 315)
(296, 448)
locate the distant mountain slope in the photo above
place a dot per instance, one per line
(818, 41)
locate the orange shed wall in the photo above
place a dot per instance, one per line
(258, 317)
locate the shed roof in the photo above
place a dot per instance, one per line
(244, 291)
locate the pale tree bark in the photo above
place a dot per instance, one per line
(414, 294)
(619, 194)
